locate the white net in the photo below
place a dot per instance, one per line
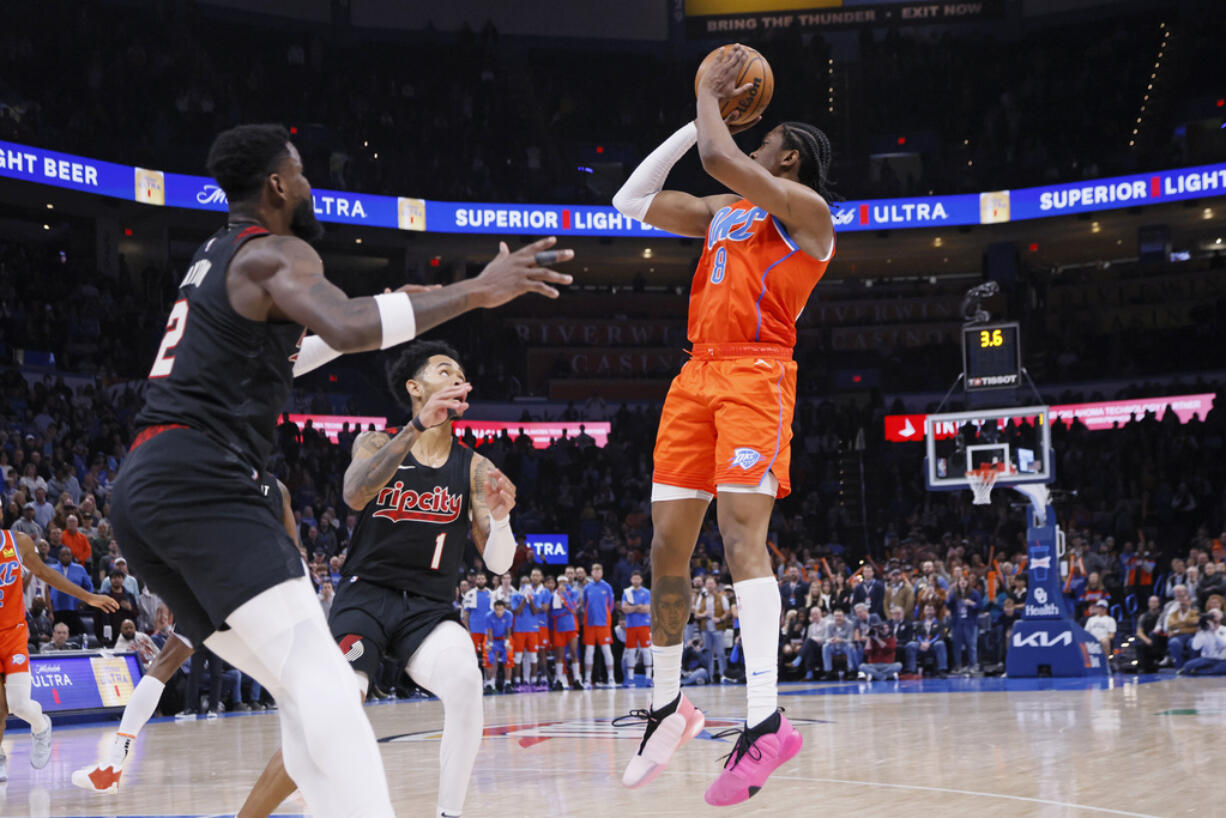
(981, 482)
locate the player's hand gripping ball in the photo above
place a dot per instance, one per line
(742, 80)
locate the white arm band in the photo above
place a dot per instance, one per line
(313, 354)
(640, 189)
(500, 546)
(397, 317)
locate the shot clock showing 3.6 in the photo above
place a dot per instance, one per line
(991, 356)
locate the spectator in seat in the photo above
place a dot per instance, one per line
(132, 640)
(44, 512)
(793, 591)
(325, 596)
(1093, 592)
(64, 606)
(1213, 582)
(1210, 640)
(59, 640)
(871, 591)
(1178, 574)
(898, 592)
(695, 660)
(880, 647)
(1151, 641)
(107, 627)
(964, 604)
(930, 633)
(1181, 626)
(811, 648)
(77, 542)
(1101, 626)
(38, 623)
(840, 639)
(1004, 628)
(792, 635)
(27, 524)
(129, 582)
(901, 630)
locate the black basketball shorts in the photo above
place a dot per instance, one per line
(370, 621)
(194, 524)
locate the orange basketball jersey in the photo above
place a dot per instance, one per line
(12, 605)
(752, 281)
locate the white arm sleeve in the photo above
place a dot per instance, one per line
(313, 354)
(640, 189)
(500, 546)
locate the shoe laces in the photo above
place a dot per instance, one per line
(635, 717)
(745, 744)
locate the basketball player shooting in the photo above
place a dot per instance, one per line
(726, 424)
(104, 776)
(19, 561)
(419, 495)
(203, 537)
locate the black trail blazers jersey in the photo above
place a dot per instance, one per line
(216, 371)
(412, 536)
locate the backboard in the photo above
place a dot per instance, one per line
(1017, 441)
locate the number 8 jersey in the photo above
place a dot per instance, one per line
(752, 281)
(412, 536)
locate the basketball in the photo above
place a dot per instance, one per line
(748, 106)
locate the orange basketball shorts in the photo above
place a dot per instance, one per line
(521, 642)
(597, 635)
(728, 420)
(639, 637)
(478, 641)
(562, 638)
(14, 652)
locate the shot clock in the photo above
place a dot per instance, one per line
(991, 356)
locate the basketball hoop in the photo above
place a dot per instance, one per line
(982, 479)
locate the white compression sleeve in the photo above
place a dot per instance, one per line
(500, 546)
(21, 704)
(313, 354)
(640, 189)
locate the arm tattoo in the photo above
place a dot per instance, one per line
(670, 608)
(375, 460)
(480, 504)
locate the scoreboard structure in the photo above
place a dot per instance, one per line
(991, 356)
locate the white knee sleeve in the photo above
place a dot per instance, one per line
(589, 654)
(328, 745)
(607, 650)
(443, 665)
(17, 690)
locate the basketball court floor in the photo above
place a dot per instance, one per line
(1147, 746)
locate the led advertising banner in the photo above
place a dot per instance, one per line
(551, 549)
(541, 432)
(715, 18)
(82, 681)
(1095, 416)
(156, 188)
(332, 425)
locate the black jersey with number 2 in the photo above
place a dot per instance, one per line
(216, 371)
(412, 536)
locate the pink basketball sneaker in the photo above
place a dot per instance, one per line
(667, 730)
(758, 752)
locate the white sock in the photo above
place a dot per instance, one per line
(759, 606)
(139, 709)
(646, 662)
(589, 657)
(575, 671)
(668, 681)
(607, 650)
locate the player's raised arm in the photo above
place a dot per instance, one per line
(291, 274)
(805, 212)
(31, 560)
(376, 456)
(643, 196)
(493, 497)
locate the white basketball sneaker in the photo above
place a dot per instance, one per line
(668, 729)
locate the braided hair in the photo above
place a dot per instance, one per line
(815, 156)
